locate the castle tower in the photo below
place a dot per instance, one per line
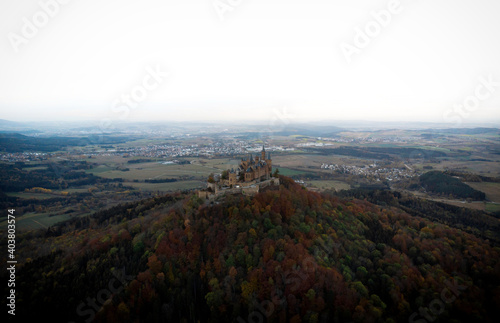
(269, 163)
(263, 153)
(232, 178)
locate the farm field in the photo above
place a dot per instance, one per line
(157, 170)
(329, 184)
(492, 207)
(52, 216)
(492, 190)
(144, 171)
(168, 187)
(475, 205)
(289, 172)
(32, 221)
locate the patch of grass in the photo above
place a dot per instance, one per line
(99, 170)
(492, 190)
(29, 195)
(288, 171)
(34, 221)
(35, 168)
(82, 189)
(492, 207)
(153, 170)
(330, 184)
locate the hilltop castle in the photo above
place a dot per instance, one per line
(251, 169)
(252, 174)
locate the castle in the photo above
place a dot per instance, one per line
(251, 175)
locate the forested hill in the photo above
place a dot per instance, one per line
(287, 255)
(441, 183)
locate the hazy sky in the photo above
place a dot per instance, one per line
(407, 60)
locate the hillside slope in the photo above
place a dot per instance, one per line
(444, 184)
(287, 255)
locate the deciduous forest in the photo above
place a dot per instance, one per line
(284, 255)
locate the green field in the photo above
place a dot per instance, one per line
(199, 168)
(35, 168)
(100, 169)
(492, 190)
(167, 187)
(330, 184)
(150, 170)
(492, 207)
(81, 189)
(29, 195)
(288, 171)
(33, 221)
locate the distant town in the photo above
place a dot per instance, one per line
(390, 174)
(220, 148)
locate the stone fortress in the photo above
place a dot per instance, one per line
(251, 175)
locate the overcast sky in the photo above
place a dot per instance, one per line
(407, 60)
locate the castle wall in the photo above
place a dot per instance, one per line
(251, 188)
